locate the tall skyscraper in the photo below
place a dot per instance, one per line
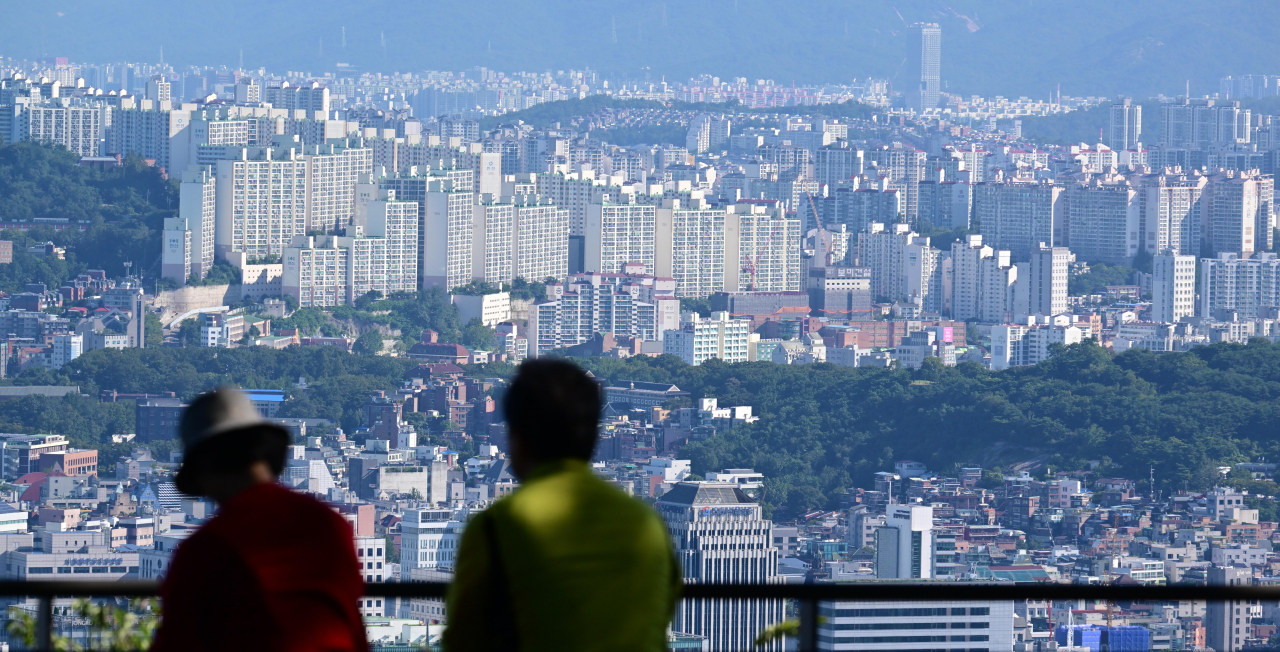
(1126, 125)
(721, 537)
(1173, 286)
(924, 63)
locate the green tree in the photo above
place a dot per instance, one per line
(369, 343)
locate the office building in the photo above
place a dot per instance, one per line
(1227, 623)
(158, 419)
(721, 537)
(1173, 287)
(917, 625)
(699, 339)
(429, 539)
(1246, 288)
(1126, 125)
(631, 304)
(923, 67)
(904, 545)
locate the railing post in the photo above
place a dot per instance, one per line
(808, 625)
(44, 624)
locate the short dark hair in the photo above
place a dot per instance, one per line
(555, 406)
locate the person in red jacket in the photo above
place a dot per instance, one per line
(273, 570)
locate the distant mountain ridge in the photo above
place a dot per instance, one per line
(1007, 47)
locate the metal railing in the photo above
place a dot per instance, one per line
(807, 595)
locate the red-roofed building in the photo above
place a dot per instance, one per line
(432, 350)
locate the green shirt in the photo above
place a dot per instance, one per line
(587, 568)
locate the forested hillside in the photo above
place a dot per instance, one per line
(823, 428)
(125, 208)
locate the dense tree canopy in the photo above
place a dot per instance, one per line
(124, 206)
(823, 428)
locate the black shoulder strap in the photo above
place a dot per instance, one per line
(504, 615)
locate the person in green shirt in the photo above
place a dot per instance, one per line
(566, 562)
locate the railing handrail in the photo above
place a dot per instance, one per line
(808, 595)
(842, 591)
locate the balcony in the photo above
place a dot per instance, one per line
(839, 616)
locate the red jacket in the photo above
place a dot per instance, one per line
(274, 570)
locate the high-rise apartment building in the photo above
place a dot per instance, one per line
(189, 238)
(903, 166)
(982, 282)
(541, 239)
(1193, 124)
(707, 132)
(1173, 287)
(1172, 212)
(620, 232)
(1104, 218)
(265, 196)
(1020, 215)
(631, 304)
(700, 339)
(1126, 125)
(380, 255)
(1016, 345)
(835, 163)
(158, 89)
(1234, 284)
(1240, 212)
(1041, 284)
(448, 231)
(924, 66)
(77, 128)
(311, 97)
(721, 537)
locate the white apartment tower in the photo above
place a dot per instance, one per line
(1241, 212)
(1040, 287)
(158, 89)
(1126, 125)
(1103, 219)
(1173, 212)
(620, 233)
(721, 537)
(1173, 287)
(698, 339)
(189, 238)
(447, 233)
(1020, 216)
(1245, 286)
(982, 282)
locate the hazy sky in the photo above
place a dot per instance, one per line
(1023, 47)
